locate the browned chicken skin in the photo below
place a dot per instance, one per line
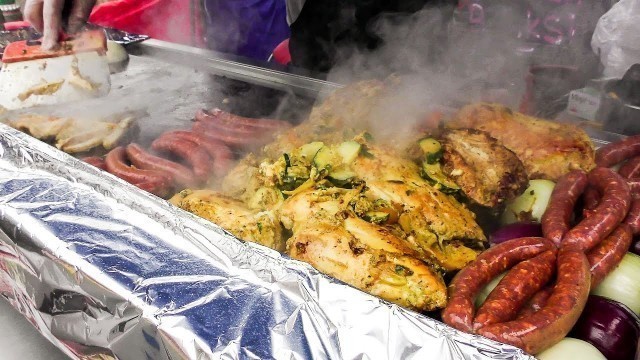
(547, 149)
(487, 172)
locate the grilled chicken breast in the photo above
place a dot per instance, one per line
(547, 149)
(328, 235)
(487, 172)
(232, 215)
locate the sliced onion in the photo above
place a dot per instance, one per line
(531, 204)
(623, 283)
(514, 231)
(609, 326)
(570, 348)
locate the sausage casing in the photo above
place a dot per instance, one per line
(471, 279)
(196, 157)
(615, 153)
(631, 168)
(611, 211)
(520, 284)
(144, 160)
(156, 182)
(95, 161)
(562, 310)
(220, 153)
(607, 255)
(557, 217)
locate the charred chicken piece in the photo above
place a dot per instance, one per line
(547, 149)
(487, 172)
(260, 227)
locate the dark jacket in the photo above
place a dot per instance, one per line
(325, 25)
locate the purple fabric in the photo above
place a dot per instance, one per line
(250, 28)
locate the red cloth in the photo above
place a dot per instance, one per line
(168, 20)
(281, 53)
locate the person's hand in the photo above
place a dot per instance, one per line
(46, 17)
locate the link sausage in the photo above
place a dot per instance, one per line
(228, 139)
(144, 160)
(614, 153)
(472, 278)
(554, 321)
(611, 210)
(631, 168)
(537, 302)
(520, 283)
(215, 123)
(156, 182)
(220, 116)
(556, 219)
(95, 161)
(633, 217)
(190, 152)
(634, 186)
(157, 188)
(220, 153)
(607, 255)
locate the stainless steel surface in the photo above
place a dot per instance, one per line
(220, 64)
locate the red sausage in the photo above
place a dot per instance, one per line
(228, 118)
(157, 188)
(611, 210)
(520, 283)
(634, 186)
(554, 321)
(633, 217)
(144, 160)
(557, 217)
(472, 278)
(591, 198)
(116, 163)
(537, 302)
(608, 254)
(631, 168)
(225, 138)
(214, 123)
(615, 153)
(95, 161)
(190, 152)
(220, 153)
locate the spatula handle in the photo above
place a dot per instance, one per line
(93, 40)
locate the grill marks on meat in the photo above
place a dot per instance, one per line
(487, 172)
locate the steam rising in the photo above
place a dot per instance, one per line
(444, 63)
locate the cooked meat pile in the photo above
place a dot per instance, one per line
(487, 172)
(362, 209)
(547, 149)
(356, 211)
(75, 135)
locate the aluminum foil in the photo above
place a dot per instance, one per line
(104, 270)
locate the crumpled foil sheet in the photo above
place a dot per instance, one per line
(106, 271)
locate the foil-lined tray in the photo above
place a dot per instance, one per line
(104, 270)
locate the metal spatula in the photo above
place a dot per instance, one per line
(76, 71)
